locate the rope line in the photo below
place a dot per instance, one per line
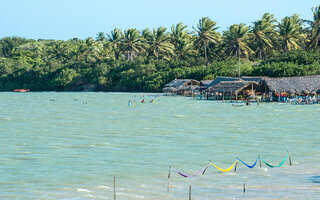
(224, 170)
(250, 166)
(188, 176)
(273, 166)
(201, 172)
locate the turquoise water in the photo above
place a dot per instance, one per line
(71, 145)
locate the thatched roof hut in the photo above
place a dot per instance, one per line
(299, 84)
(180, 86)
(233, 87)
(182, 83)
(219, 79)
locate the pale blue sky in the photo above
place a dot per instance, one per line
(65, 19)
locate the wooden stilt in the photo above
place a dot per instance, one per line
(204, 171)
(190, 193)
(169, 178)
(235, 167)
(290, 163)
(114, 188)
(260, 161)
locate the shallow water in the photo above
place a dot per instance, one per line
(71, 145)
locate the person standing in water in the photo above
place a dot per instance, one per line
(129, 103)
(247, 103)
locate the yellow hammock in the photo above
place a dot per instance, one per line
(224, 170)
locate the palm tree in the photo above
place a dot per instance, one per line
(131, 43)
(100, 37)
(114, 40)
(178, 33)
(181, 40)
(78, 49)
(59, 50)
(205, 33)
(315, 28)
(263, 31)
(184, 49)
(92, 50)
(291, 33)
(159, 42)
(235, 40)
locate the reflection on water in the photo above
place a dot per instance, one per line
(65, 149)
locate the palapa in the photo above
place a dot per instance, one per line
(232, 87)
(299, 84)
(209, 83)
(181, 86)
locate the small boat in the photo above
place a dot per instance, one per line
(21, 90)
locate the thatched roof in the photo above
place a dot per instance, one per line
(191, 88)
(253, 78)
(219, 79)
(299, 84)
(232, 86)
(216, 81)
(180, 82)
(206, 83)
(170, 89)
(180, 85)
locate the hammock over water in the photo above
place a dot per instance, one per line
(201, 172)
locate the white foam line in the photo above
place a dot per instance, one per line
(83, 190)
(95, 197)
(130, 195)
(103, 187)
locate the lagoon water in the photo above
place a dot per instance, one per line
(71, 145)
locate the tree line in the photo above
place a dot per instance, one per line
(134, 60)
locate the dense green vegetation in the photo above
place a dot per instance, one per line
(133, 60)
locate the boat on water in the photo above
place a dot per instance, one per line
(21, 90)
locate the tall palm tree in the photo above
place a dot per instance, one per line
(178, 33)
(205, 33)
(291, 33)
(145, 34)
(184, 49)
(114, 40)
(181, 40)
(131, 43)
(100, 37)
(159, 42)
(315, 28)
(263, 31)
(235, 40)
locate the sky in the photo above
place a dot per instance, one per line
(66, 19)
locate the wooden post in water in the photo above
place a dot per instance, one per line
(244, 188)
(260, 161)
(290, 163)
(169, 178)
(235, 167)
(114, 188)
(190, 193)
(204, 171)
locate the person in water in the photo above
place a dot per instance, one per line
(142, 101)
(129, 103)
(247, 102)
